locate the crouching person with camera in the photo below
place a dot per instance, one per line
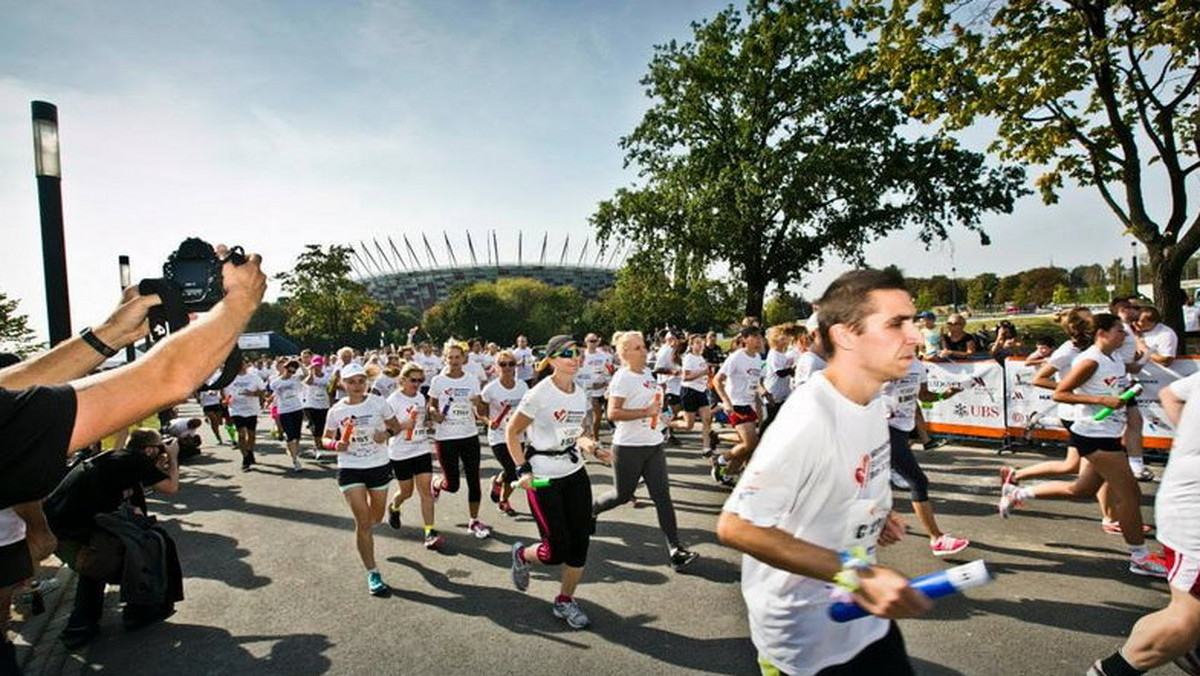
(98, 513)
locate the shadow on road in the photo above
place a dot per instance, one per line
(186, 649)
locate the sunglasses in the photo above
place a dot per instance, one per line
(506, 363)
(416, 380)
(567, 353)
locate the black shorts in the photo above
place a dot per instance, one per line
(408, 468)
(742, 415)
(292, 422)
(15, 563)
(1088, 445)
(671, 401)
(245, 422)
(373, 478)
(694, 400)
(216, 408)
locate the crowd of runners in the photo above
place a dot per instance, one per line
(807, 448)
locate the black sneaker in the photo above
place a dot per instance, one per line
(673, 440)
(713, 440)
(682, 557)
(393, 517)
(74, 638)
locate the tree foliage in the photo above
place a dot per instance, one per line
(1102, 93)
(772, 147)
(15, 334)
(325, 307)
(501, 310)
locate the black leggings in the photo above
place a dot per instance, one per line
(506, 461)
(449, 453)
(905, 464)
(316, 420)
(631, 463)
(885, 656)
(563, 511)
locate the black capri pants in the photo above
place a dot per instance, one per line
(905, 464)
(506, 461)
(563, 511)
(316, 420)
(450, 452)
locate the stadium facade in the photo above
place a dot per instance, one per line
(420, 282)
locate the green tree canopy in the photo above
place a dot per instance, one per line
(499, 311)
(772, 147)
(15, 334)
(326, 308)
(1102, 93)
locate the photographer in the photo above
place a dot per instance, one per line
(48, 408)
(100, 485)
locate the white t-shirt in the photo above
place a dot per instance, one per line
(1129, 348)
(638, 390)
(473, 368)
(12, 527)
(287, 394)
(809, 363)
(367, 417)
(178, 428)
(209, 397)
(243, 405)
(835, 494)
(666, 359)
(501, 402)
(742, 372)
(696, 362)
(557, 421)
(931, 342)
(900, 397)
(1061, 359)
(316, 395)
(430, 363)
(524, 357)
(384, 385)
(454, 400)
(1178, 499)
(1191, 318)
(1161, 340)
(597, 372)
(778, 386)
(409, 443)
(1109, 380)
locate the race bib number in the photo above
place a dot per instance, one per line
(865, 519)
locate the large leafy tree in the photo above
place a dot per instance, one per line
(325, 307)
(501, 310)
(1101, 92)
(771, 146)
(15, 334)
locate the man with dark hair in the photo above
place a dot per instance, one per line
(812, 519)
(1135, 358)
(737, 385)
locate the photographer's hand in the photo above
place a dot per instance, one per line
(127, 324)
(245, 283)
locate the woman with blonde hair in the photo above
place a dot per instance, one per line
(496, 403)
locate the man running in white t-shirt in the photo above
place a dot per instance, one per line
(809, 522)
(737, 384)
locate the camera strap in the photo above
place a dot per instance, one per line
(172, 316)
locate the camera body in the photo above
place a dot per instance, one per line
(195, 268)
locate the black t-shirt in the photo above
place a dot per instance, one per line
(35, 429)
(97, 486)
(961, 344)
(713, 354)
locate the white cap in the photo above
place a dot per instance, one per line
(812, 324)
(350, 370)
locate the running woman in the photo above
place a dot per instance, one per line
(737, 385)
(497, 403)
(637, 450)
(667, 368)
(430, 363)
(695, 392)
(214, 411)
(357, 429)
(287, 389)
(809, 521)
(777, 372)
(453, 398)
(1173, 631)
(594, 375)
(410, 452)
(552, 414)
(316, 400)
(1096, 379)
(245, 403)
(900, 397)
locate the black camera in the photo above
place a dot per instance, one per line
(195, 268)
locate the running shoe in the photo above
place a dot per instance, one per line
(479, 529)
(935, 443)
(393, 517)
(506, 507)
(571, 613)
(899, 482)
(947, 544)
(296, 466)
(435, 486)
(1151, 566)
(681, 557)
(1096, 670)
(1145, 475)
(497, 487)
(376, 586)
(520, 568)
(1008, 476)
(1114, 528)
(706, 452)
(1009, 500)
(672, 440)
(434, 540)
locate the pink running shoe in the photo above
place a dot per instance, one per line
(1151, 566)
(1008, 476)
(947, 545)
(1009, 500)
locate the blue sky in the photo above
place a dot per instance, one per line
(275, 124)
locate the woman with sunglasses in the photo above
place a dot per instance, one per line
(497, 402)
(286, 389)
(637, 446)
(552, 414)
(410, 452)
(453, 396)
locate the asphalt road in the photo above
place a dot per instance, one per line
(274, 585)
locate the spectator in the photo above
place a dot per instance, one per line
(956, 342)
(931, 340)
(187, 432)
(1044, 348)
(1007, 342)
(1157, 341)
(99, 486)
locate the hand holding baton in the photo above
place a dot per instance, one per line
(934, 585)
(1132, 392)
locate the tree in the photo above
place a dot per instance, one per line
(1103, 93)
(1083, 276)
(15, 334)
(326, 307)
(269, 317)
(981, 290)
(1063, 295)
(784, 306)
(771, 147)
(499, 311)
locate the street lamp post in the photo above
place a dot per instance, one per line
(126, 282)
(54, 251)
(954, 287)
(1133, 244)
